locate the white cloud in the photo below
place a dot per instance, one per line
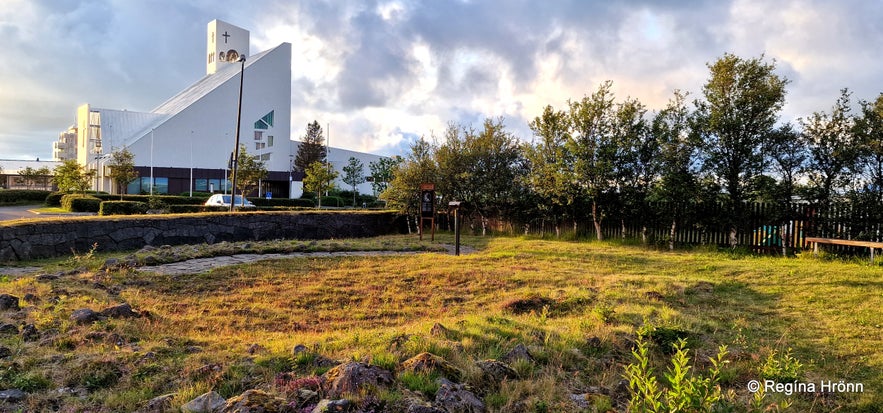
(381, 73)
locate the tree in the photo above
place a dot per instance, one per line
(382, 172)
(787, 156)
(28, 175)
(319, 178)
(353, 175)
(418, 167)
(479, 168)
(677, 183)
(249, 171)
(742, 100)
(71, 176)
(550, 167)
(635, 162)
(834, 150)
(594, 148)
(312, 148)
(869, 128)
(122, 169)
(44, 175)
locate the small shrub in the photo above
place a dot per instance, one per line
(80, 203)
(54, 199)
(604, 312)
(781, 367)
(122, 208)
(686, 391)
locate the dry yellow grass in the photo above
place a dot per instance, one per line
(380, 309)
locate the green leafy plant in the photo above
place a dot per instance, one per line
(781, 367)
(686, 391)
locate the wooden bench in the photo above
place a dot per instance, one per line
(853, 243)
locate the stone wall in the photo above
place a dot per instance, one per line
(59, 237)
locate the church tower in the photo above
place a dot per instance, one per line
(225, 44)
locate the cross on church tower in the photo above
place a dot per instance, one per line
(219, 53)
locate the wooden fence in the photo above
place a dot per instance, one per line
(763, 227)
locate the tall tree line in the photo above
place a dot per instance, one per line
(602, 159)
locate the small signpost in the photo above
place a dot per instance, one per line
(455, 206)
(427, 208)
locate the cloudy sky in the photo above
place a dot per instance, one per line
(381, 73)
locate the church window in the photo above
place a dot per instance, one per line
(265, 122)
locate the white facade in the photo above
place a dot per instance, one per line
(186, 142)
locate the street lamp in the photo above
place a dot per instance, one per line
(97, 151)
(290, 181)
(236, 147)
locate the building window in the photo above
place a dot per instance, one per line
(265, 122)
(142, 186)
(270, 141)
(265, 157)
(258, 135)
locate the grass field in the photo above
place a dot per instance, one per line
(577, 306)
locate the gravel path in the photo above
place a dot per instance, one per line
(198, 265)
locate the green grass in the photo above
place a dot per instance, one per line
(824, 315)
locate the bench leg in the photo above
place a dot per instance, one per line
(872, 255)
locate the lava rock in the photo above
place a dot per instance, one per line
(120, 311)
(85, 316)
(205, 403)
(353, 376)
(9, 302)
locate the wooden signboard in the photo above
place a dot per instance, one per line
(427, 207)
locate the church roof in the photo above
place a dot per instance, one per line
(204, 86)
(189, 96)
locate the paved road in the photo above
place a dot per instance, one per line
(16, 212)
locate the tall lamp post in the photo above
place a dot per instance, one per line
(238, 121)
(290, 180)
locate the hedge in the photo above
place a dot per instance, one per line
(282, 202)
(54, 199)
(181, 209)
(12, 196)
(80, 203)
(332, 201)
(165, 199)
(122, 208)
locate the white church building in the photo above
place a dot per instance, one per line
(186, 142)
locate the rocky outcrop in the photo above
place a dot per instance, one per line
(8, 302)
(46, 239)
(456, 398)
(206, 403)
(430, 363)
(256, 401)
(353, 376)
